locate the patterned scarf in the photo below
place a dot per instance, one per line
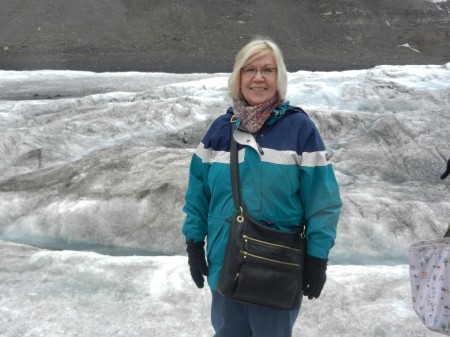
(252, 118)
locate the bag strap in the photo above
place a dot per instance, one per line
(234, 169)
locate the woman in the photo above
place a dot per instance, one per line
(284, 177)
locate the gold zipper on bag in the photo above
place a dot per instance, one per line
(246, 254)
(246, 237)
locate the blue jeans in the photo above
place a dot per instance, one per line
(234, 319)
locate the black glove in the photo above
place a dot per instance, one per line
(197, 262)
(314, 276)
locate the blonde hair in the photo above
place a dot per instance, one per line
(254, 49)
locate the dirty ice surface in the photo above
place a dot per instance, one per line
(93, 169)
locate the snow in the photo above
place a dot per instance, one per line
(93, 170)
(406, 45)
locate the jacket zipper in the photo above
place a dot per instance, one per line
(246, 238)
(247, 254)
(259, 146)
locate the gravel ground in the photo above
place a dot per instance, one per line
(189, 36)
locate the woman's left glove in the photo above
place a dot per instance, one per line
(314, 276)
(197, 262)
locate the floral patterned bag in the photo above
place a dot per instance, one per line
(429, 269)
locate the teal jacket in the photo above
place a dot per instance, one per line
(285, 176)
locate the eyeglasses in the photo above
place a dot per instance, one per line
(251, 72)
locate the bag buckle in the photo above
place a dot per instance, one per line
(240, 217)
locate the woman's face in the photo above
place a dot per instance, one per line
(260, 86)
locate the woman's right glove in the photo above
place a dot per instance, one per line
(197, 262)
(314, 276)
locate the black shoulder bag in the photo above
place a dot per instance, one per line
(262, 265)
